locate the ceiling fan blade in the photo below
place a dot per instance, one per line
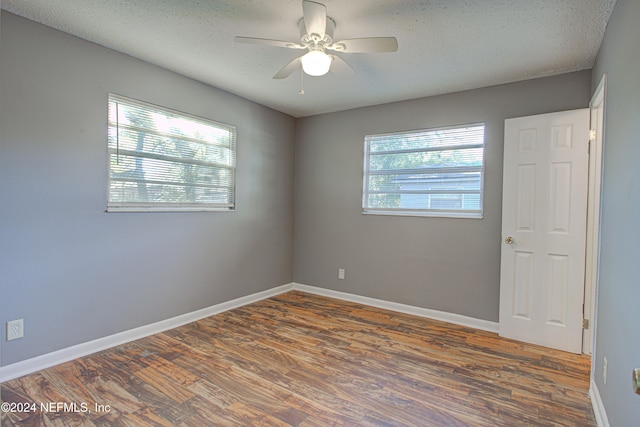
(288, 69)
(267, 42)
(341, 67)
(315, 17)
(367, 44)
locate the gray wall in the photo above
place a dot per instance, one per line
(452, 265)
(76, 273)
(618, 319)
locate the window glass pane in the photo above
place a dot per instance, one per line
(435, 172)
(432, 181)
(424, 139)
(437, 159)
(159, 158)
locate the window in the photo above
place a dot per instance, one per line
(431, 172)
(164, 160)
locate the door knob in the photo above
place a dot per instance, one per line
(636, 380)
(508, 240)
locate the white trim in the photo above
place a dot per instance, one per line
(594, 210)
(44, 361)
(443, 316)
(598, 407)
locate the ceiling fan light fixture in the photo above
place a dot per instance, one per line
(316, 36)
(316, 63)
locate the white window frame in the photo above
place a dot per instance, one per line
(459, 213)
(114, 149)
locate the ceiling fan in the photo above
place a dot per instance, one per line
(316, 36)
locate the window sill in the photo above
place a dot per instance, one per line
(461, 215)
(165, 209)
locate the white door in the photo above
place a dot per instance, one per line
(544, 206)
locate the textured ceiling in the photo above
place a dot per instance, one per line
(444, 45)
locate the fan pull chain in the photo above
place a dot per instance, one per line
(301, 91)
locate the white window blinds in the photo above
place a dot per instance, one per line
(433, 172)
(161, 159)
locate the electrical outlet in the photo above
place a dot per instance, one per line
(604, 370)
(15, 329)
(341, 273)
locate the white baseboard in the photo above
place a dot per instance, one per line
(598, 406)
(44, 361)
(38, 363)
(443, 316)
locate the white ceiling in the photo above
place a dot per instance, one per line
(444, 45)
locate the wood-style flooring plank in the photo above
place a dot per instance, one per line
(305, 360)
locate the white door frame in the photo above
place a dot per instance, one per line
(597, 106)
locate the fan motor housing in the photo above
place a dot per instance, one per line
(311, 40)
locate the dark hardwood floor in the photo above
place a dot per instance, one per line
(303, 360)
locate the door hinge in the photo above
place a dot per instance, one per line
(592, 134)
(585, 323)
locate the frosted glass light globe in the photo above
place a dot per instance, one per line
(316, 63)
